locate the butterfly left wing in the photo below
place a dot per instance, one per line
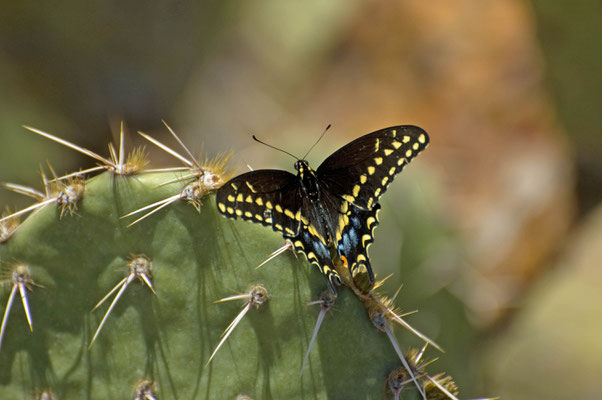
(361, 171)
(312, 246)
(273, 198)
(354, 236)
(269, 197)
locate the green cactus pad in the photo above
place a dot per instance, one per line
(166, 338)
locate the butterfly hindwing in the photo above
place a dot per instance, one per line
(361, 171)
(318, 254)
(267, 197)
(355, 234)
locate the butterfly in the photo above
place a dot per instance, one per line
(333, 207)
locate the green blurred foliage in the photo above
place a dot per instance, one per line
(570, 34)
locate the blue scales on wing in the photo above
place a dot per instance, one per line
(317, 253)
(355, 236)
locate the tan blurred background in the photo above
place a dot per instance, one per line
(501, 223)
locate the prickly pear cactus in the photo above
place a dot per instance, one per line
(99, 303)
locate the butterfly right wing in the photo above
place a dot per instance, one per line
(361, 171)
(269, 197)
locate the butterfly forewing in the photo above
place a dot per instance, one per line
(361, 171)
(268, 197)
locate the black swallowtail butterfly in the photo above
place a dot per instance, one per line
(333, 206)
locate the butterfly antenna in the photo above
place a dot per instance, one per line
(275, 148)
(317, 141)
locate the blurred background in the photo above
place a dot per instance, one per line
(495, 231)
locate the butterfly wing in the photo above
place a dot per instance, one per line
(315, 249)
(356, 233)
(273, 198)
(269, 197)
(361, 171)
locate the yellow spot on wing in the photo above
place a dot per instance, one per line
(278, 226)
(366, 238)
(289, 213)
(356, 190)
(278, 208)
(396, 144)
(378, 160)
(409, 153)
(299, 244)
(371, 170)
(377, 192)
(392, 171)
(361, 257)
(268, 204)
(415, 146)
(238, 212)
(376, 145)
(385, 180)
(221, 207)
(401, 161)
(259, 201)
(388, 152)
(230, 210)
(239, 198)
(406, 139)
(422, 138)
(363, 179)
(251, 187)
(234, 186)
(249, 199)
(248, 214)
(370, 221)
(348, 198)
(393, 132)
(258, 217)
(231, 198)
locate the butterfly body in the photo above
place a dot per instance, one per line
(334, 207)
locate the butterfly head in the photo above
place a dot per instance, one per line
(302, 167)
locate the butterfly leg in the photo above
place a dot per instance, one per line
(318, 254)
(355, 238)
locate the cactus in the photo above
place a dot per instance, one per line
(115, 287)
